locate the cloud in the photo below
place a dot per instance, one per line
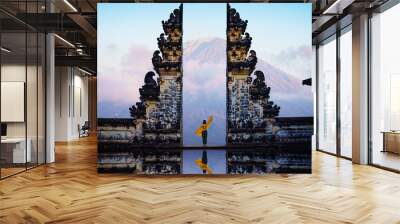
(294, 60)
(203, 79)
(204, 69)
(119, 80)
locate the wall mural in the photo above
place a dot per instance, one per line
(185, 93)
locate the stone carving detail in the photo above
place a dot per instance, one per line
(234, 19)
(138, 111)
(258, 88)
(159, 111)
(150, 90)
(250, 112)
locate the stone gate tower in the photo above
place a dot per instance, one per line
(158, 114)
(250, 113)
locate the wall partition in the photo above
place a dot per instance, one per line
(22, 87)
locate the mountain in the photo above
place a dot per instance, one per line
(204, 91)
(205, 59)
(204, 71)
(205, 49)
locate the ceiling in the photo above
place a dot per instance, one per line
(75, 22)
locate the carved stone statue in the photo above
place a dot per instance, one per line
(251, 61)
(149, 80)
(157, 61)
(258, 89)
(138, 111)
(246, 40)
(271, 110)
(151, 89)
(259, 81)
(161, 41)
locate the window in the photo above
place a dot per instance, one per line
(327, 96)
(346, 93)
(385, 89)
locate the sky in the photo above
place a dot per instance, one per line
(275, 27)
(127, 35)
(204, 91)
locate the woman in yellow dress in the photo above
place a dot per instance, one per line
(202, 132)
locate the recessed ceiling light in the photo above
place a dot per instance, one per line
(64, 40)
(5, 50)
(338, 6)
(70, 5)
(84, 71)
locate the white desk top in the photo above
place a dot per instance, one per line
(13, 140)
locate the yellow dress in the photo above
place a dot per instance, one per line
(204, 127)
(203, 166)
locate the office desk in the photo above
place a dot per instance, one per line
(15, 148)
(391, 141)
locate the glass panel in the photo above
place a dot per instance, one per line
(385, 84)
(13, 90)
(346, 94)
(31, 98)
(41, 98)
(31, 87)
(327, 96)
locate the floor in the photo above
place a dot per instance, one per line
(387, 159)
(71, 191)
(10, 171)
(5, 172)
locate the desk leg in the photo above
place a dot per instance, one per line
(384, 142)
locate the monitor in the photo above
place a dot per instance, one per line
(3, 129)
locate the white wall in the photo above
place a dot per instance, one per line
(71, 102)
(17, 73)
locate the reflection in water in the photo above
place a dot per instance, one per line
(204, 162)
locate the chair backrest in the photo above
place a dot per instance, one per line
(86, 125)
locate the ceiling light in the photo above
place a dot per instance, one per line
(5, 50)
(338, 6)
(84, 71)
(70, 5)
(65, 41)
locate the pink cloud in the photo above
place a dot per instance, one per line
(120, 80)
